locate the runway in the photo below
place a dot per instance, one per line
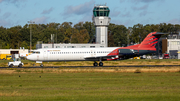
(96, 66)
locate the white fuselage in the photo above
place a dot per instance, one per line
(69, 54)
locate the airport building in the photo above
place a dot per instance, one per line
(4, 53)
(69, 45)
(170, 45)
(13, 51)
(173, 45)
(101, 21)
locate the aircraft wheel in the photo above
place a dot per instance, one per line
(11, 65)
(20, 65)
(41, 65)
(95, 64)
(100, 64)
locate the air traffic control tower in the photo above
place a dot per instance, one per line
(101, 21)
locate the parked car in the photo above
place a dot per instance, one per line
(16, 62)
(166, 56)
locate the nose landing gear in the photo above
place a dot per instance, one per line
(41, 65)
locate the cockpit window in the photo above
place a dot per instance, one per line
(36, 52)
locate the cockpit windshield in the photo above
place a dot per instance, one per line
(36, 52)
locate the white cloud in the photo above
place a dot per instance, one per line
(140, 1)
(12, 1)
(114, 13)
(5, 23)
(144, 1)
(86, 18)
(127, 14)
(6, 15)
(143, 13)
(41, 20)
(121, 1)
(174, 21)
(79, 9)
(17, 3)
(126, 23)
(140, 8)
(47, 11)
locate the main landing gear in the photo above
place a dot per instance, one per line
(96, 64)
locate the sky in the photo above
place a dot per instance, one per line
(122, 12)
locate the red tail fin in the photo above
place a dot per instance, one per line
(151, 40)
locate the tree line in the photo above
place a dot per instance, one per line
(118, 35)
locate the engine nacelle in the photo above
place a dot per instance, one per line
(128, 53)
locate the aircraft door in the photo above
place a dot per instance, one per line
(45, 54)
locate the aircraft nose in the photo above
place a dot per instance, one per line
(29, 57)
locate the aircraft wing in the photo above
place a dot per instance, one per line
(101, 57)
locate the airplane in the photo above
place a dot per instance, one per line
(148, 45)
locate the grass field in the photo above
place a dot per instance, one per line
(88, 86)
(91, 84)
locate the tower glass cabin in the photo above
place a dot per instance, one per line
(101, 11)
(101, 21)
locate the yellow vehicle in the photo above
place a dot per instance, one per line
(137, 58)
(5, 56)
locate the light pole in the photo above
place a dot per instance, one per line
(57, 32)
(31, 22)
